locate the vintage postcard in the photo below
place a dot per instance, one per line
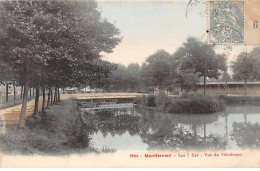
(129, 84)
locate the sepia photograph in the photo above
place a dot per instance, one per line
(129, 84)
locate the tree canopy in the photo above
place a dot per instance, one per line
(199, 58)
(55, 43)
(246, 66)
(156, 70)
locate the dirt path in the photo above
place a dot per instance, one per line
(10, 116)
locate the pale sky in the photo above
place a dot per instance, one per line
(147, 26)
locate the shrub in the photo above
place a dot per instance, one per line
(145, 100)
(150, 101)
(163, 101)
(189, 103)
(196, 103)
(140, 100)
(60, 132)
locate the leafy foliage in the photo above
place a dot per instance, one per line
(124, 79)
(55, 43)
(197, 59)
(156, 70)
(243, 67)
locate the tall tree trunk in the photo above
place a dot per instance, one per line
(49, 98)
(55, 95)
(204, 82)
(36, 104)
(58, 94)
(22, 89)
(6, 92)
(25, 99)
(30, 92)
(14, 91)
(33, 92)
(245, 87)
(43, 99)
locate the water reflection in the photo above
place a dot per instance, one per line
(246, 134)
(113, 123)
(136, 129)
(167, 131)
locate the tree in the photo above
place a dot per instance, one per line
(187, 80)
(34, 34)
(255, 55)
(156, 70)
(118, 80)
(133, 76)
(242, 68)
(6, 77)
(200, 57)
(225, 77)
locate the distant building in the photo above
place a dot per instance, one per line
(218, 88)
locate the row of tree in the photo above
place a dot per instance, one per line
(53, 44)
(194, 61)
(246, 67)
(126, 79)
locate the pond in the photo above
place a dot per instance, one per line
(137, 129)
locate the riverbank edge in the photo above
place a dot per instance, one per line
(157, 109)
(59, 132)
(242, 99)
(228, 100)
(165, 104)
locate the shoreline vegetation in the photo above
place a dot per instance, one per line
(59, 132)
(194, 103)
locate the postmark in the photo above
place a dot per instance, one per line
(226, 22)
(195, 5)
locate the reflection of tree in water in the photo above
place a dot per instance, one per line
(247, 135)
(162, 132)
(159, 131)
(107, 122)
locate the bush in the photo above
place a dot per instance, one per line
(189, 103)
(60, 132)
(140, 100)
(163, 101)
(150, 101)
(196, 103)
(145, 100)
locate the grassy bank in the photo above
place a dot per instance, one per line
(189, 103)
(59, 132)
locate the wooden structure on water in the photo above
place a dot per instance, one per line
(106, 102)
